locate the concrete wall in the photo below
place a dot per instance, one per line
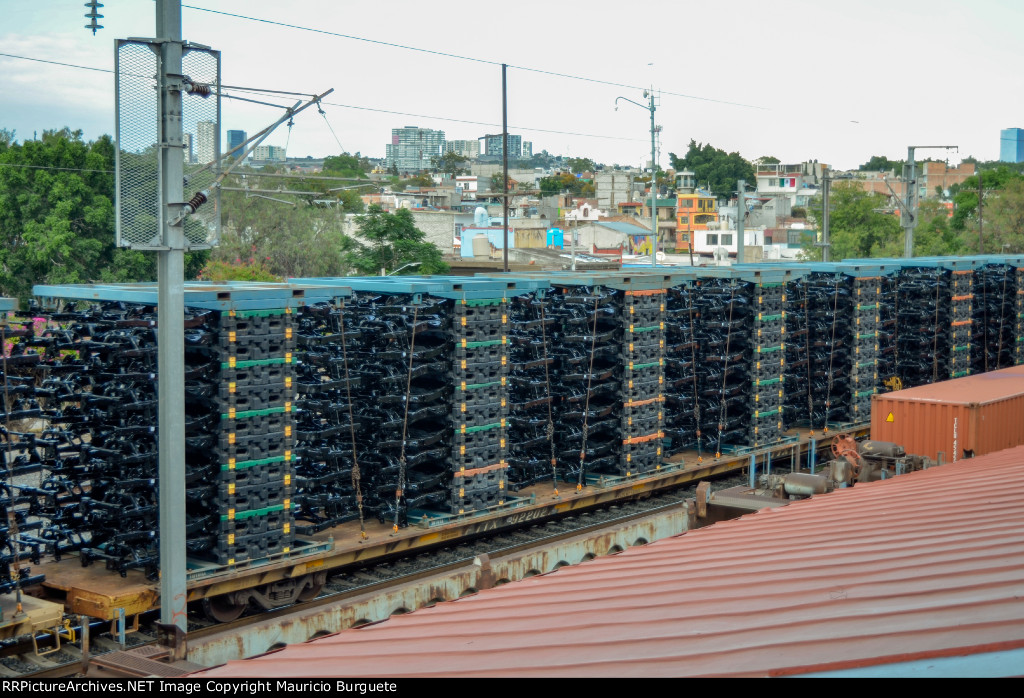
(612, 187)
(439, 227)
(593, 235)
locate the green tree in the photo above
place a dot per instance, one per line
(451, 163)
(561, 183)
(769, 160)
(578, 165)
(1004, 219)
(415, 182)
(297, 240)
(880, 163)
(716, 168)
(346, 165)
(856, 226)
(933, 235)
(57, 215)
(392, 241)
(965, 196)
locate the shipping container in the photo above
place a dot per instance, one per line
(960, 418)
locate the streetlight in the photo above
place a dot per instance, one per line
(654, 170)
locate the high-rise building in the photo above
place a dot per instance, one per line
(235, 139)
(1011, 145)
(492, 145)
(206, 141)
(187, 151)
(467, 149)
(412, 148)
(271, 153)
(527, 149)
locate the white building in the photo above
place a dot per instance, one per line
(206, 141)
(467, 149)
(187, 151)
(797, 183)
(412, 148)
(270, 153)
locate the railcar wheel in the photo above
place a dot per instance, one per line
(309, 592)
(223, 608)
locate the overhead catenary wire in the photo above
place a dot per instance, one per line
(446, 119)
(456, 56)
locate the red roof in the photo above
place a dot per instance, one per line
(925, 566)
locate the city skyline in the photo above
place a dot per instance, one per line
(835, 90)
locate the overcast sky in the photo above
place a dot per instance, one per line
(800, 80)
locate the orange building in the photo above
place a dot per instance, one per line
(694, 211)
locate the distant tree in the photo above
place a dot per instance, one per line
(799, 212)
(346, 165)
(560, 184)
(933, 236)
(965, 196)
(577, 165)
(880, 163)
(392, 240)
(283, 240)
(856, 227)
(718, 169)
(1004, 219)
(768, 160)
(451, 163)
(220, 270)
(414, 182)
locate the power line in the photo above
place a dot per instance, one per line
(456, 56)
(353, 106)
(67, 65)
(482, 123)
(339, 35)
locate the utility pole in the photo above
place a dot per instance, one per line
(981, 218)
(171, 327)
(651, 107)
(654, 186)
(504, 165)
(741, 209)
(826, 244)
(908, 215)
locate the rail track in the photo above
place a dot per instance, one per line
(19, 659)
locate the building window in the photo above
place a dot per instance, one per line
(684, 220)
(686, 203)
(726, 238)
(685, 237)
(712, 238)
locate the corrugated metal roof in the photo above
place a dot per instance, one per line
(623, 227)
(977, 388)
(921, 573)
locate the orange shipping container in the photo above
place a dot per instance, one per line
(963, 417)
